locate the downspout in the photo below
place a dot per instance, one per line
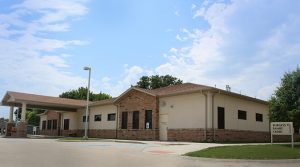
(213, 118)
(205, 130)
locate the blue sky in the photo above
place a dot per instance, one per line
(246, 44)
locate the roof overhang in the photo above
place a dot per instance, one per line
(10, 100)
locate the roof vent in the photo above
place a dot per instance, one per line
(228, 88)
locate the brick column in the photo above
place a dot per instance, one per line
(10, 124)
(22, 126)
(23, 115)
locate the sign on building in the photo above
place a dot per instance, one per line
(282, 128)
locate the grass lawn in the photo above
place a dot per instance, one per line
(275, 151)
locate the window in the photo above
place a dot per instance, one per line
(84, 118)
(44, 125)
(124, 120)
(221, 118)
(66, 124)
(148, 119)
(242, 115)
(54, 124)
(135, 119)
(97, 118)
(49, 124)
(111, 117)
(259, 117)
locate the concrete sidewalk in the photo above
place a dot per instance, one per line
(176, 148)
(111, 153)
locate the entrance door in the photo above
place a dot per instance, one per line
(163, 127)
(221, 118)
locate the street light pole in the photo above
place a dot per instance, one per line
(87, 104)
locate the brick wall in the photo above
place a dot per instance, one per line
(68, 133)
(105, 134)
(191, 135)
(221, 135)
(138, 101)
(138, 134)
(51, 115)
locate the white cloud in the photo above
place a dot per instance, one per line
(248, 45)
(266, 91)
(29, 60)
(128, 78)
(56, 61)
(54, 10)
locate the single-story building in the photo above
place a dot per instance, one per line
(185, 112)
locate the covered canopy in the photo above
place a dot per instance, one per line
(42, 102)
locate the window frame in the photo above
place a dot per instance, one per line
(49, 124)
(135, 119)
(261, 119)
(108, 117)
(84, 117)
(66, 127)
(124, 119)
(242, 115)
(150, 120)
(44, 124)
(97, 116)
(54, 124)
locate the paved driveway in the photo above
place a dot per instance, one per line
(51, 153)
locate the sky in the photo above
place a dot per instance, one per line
(247, 44)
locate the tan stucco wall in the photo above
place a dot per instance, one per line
(42, 118)
(104, 110)
(73, 125)
(184, 111)
(232, 105)
(188, 111)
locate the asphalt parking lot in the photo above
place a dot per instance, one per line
(107, 153)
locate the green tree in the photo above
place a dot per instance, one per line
(81, 94)
(31, 115)
(156, 81)
(144, 82)
(285, 103)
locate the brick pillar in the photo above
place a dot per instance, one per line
(21, 129)
(23, 114)
(22, 126)
(8, 129)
